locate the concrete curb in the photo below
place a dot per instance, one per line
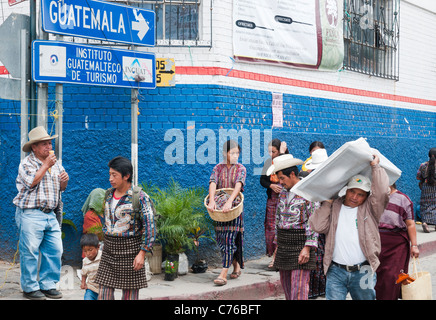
(256, 291)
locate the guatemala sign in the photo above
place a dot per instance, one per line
(66, 62)
(99, 20)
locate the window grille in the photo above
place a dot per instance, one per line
(178, 22)
(371, 37)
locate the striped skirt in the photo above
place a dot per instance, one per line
(428, 204)
(230, 244)
(295, 284)
(116, 265)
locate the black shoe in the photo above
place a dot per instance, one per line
(52, 293)
(34, 295)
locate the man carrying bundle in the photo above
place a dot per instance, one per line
(350, 224)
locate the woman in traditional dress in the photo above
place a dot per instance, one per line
(427, 183)
(398, 243)
(229, 235)
(273, 188)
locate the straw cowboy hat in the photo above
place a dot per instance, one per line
(282, 162)
(318, 157)
(37, 134)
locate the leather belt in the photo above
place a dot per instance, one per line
(356, 267)
(45, 210)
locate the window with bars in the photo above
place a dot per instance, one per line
(371, 36)
(177, 21)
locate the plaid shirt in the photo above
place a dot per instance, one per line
(45, 195)
(122, 223)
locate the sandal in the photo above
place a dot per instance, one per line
(220, 281)
(235, 275)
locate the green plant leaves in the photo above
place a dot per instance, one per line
(179, 211)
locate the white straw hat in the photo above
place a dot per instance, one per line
(282, 162)
(318, 157)
(36, 135)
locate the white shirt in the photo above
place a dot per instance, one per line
(114, 203)
(347, 249)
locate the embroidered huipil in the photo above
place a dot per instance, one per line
(120, 222)
(293, 212)
(225, 177)
(45, 195)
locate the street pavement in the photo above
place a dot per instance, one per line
(255, 283)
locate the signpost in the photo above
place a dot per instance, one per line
(99, 20)
(66, 62)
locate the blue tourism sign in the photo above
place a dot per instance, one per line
(67, 62)
(99, 20)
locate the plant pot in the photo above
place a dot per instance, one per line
(199, 266)
(171, 267)
(170, 276)
(155, 260)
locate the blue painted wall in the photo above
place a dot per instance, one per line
(97, 128)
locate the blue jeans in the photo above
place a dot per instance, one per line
(90, 295)
(360, 284)
(40, 246)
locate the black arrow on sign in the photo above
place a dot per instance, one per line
(170, 72)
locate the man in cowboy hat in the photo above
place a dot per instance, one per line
(295, 256)
(40, 181)
(352, 246)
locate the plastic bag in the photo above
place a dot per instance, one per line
(183, 264)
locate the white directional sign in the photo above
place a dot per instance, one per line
(99, 20)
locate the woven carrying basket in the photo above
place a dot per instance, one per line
(219, 215)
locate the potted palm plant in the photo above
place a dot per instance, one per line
(177, 209)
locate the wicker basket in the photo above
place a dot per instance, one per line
(219, 215)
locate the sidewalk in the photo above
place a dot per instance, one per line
(255, 283)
